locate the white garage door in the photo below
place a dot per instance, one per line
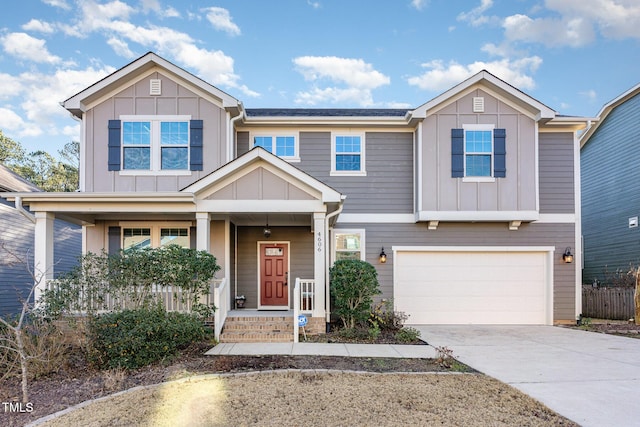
(473, 287)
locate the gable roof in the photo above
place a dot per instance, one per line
(11, 181)
(329, 195)
(606, 110)
(76, 104)
(487, 79)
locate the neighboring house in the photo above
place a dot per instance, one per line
(17, 240)
(610, 201)
(472, 196)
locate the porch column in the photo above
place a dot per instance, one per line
(319, 247)
(203, 231)
(43, 251)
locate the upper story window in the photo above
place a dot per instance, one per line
(347, 154)
(158, 144)
(478, 153)
(283, 146)
(155, 144)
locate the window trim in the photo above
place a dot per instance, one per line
(155, 145)
(478, 127)
(363, 170)
(155, 228)
(360, 231)
(296, 142)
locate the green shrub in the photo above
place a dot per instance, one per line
(407, 335)
(353, 284)
(134, 338)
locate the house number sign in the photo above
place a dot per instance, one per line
(319, 242)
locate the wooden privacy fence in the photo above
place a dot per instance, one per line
(608, 303)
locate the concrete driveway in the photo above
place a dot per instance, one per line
(590, 378)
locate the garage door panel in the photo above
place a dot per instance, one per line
(471, 287)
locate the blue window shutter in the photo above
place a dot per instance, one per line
(499, 153)
(457, 153)
(114, 145)
(195, 142)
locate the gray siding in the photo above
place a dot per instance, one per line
(441, 192)
(557, 184)
(609, 165)
(487, 234)
(18, 237)
(300, 254)
(135, 100)
(388, 185)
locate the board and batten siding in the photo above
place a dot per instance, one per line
(300, 258)
(556, 169)
(476, 234)
(441, 192)
(18, 237)
(609, 173)
(135, 100)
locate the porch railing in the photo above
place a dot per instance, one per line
(221, 300)
(303, 302)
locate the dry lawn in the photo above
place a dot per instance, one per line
(319, 398)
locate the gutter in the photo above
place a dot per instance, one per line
(23, 211)
(327, 297)
(230, 133)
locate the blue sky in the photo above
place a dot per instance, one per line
(572, 55)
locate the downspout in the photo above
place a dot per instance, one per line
(327, 297)
(230, 132)
(23, 211)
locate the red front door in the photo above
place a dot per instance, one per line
(274, 266)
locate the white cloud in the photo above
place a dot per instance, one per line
(23, 46)
(62, 4)
(575, 31)
(590, 94)
(476, 16)
(419, 4)
(11, 86)
(39, 26)
(221, 20)
(440, 76)
(121, 48)
(358, 76)
(9, 120)
(156, 7)
(314, 4)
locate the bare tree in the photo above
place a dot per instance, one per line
(13, 333)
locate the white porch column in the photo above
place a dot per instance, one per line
(43, 251)
(203, 231)
(319, 247)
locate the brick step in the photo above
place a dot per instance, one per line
(257, 329)
(252, 336)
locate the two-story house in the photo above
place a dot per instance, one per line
(467, 205)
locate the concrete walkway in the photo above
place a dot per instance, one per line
(322, 349)
(590, 378)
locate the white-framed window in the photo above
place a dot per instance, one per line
(284, 145)
(478, 151)
(155, 143)
(349, 244)
(140, 235)
(348, 154)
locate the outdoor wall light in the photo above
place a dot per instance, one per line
(567, 256)
(383, 256)
(267, 231)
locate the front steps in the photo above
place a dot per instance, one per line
(257, 329)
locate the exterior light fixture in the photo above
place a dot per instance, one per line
(267, 231)
(383, 256)
(567, 256)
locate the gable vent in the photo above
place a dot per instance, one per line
(155, 87)
(478, 104)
